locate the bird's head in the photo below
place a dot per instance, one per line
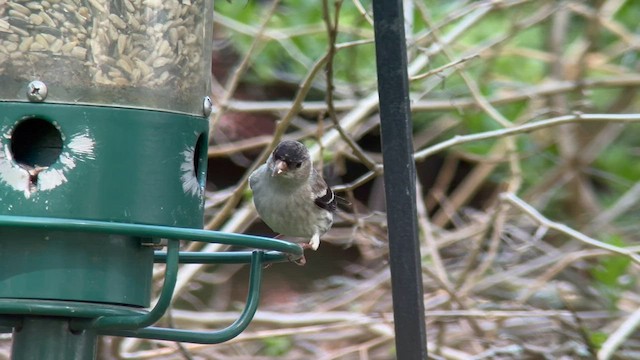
(290, 160)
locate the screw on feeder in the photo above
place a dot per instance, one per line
(37, 91)
(207, 106)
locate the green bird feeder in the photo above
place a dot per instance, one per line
(103, 132)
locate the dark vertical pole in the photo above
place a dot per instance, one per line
(399, 178)
(41, 337)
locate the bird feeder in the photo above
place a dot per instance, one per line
(103, 123)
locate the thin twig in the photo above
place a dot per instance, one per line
(555, 269)
(627, 201)
(463, 139)
(426, 228)
(444, 67)
(621, 334)
(332, 31)
(234, 81)
(562, 228)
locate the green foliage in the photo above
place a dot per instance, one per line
(629, 14)
(478, 122)
(616, 159)
(493, 24)
(247, 195)
(601, 98)
(291, 57)
(610, 273)
(519, 69)
(277, 346)
(534, 158)
(327, 155)
(422, 120)
(597, 338)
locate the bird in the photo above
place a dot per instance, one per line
(291, 197)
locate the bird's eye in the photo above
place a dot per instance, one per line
(298, 165)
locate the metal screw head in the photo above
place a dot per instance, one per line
(37, 91)
(207, 106)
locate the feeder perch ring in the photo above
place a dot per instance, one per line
(118, 321)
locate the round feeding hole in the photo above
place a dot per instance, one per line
(199, 160)
(35, 143)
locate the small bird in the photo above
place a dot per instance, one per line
(291, 197)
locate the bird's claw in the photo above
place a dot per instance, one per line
(314, 243)
(300, 261)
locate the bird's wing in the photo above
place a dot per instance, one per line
(323, 196)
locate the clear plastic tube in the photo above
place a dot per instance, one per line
(133, 53)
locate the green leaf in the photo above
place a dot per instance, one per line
(277, 346)
(597, 338)
(610, 273)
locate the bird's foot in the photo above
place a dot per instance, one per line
(300, 261)
(313, 244)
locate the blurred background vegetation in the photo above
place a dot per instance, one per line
(529, 242)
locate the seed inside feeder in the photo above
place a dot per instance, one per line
(124, 52)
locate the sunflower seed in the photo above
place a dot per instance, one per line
(56, 46)
(26, 43)
(34, 6)
(98, 6)
(19, 8)
(79, 52)
(47, 19)
(4, 25)
(129, 5)
(41, 40)
(36, 46)
(18, 15)
(117, 22)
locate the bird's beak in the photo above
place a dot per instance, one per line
(279, 168)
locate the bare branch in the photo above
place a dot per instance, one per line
(463, 139)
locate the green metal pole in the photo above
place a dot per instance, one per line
(50, 338)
